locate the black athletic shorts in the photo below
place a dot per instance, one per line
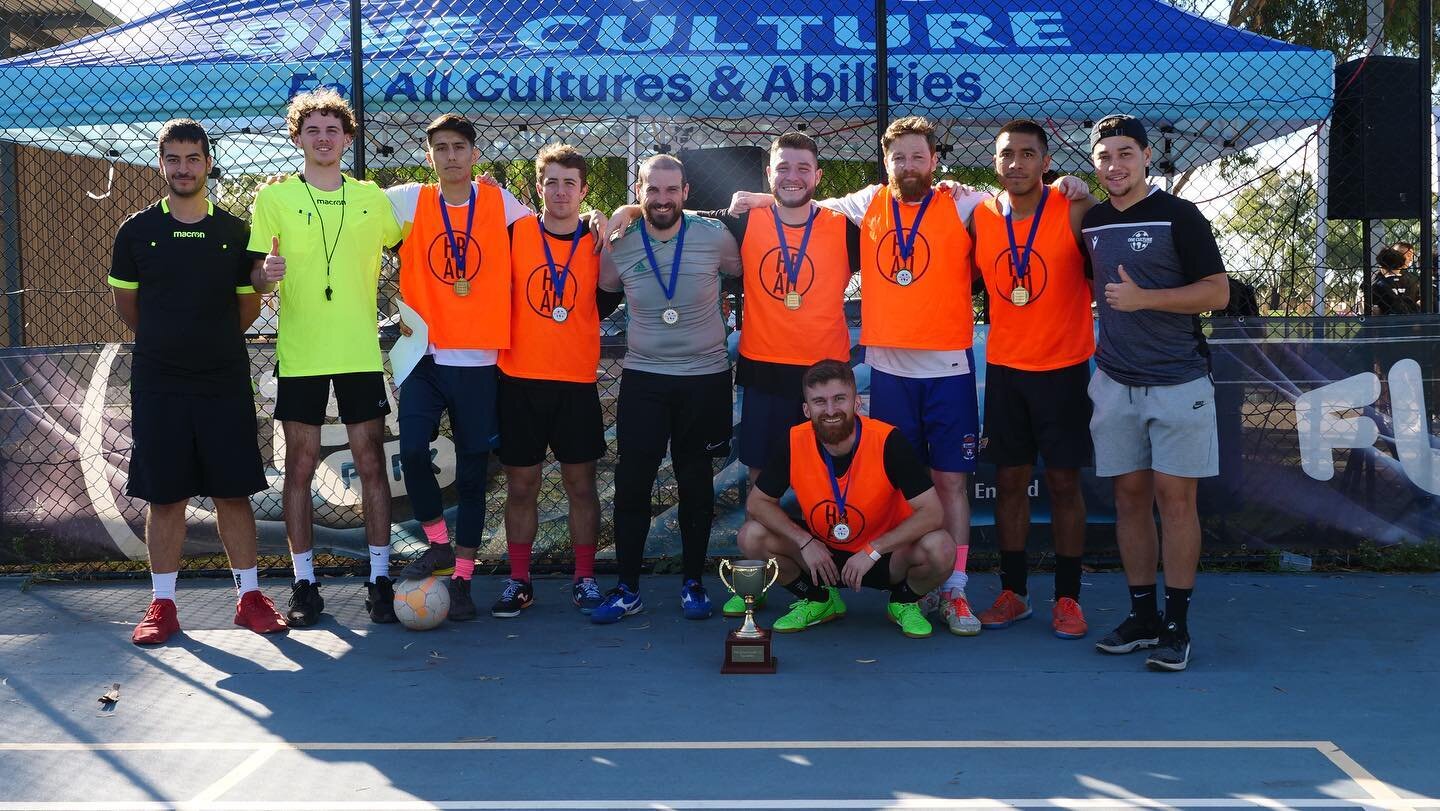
(537, 414)
(1045, 413)
(877, 578)
(361, 397)
(187, 445)
(692, 413)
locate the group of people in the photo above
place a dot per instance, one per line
(512, 301)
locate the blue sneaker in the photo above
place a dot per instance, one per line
(695, 601)
(620, 602)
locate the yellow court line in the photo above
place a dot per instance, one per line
(569, 746)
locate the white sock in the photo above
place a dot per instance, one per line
(162, 586)
(246, 580)
(304, 565)
(379, 562)
(955, 583)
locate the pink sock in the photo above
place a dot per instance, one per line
(584, 561)
(519, 560)
(436, 532)
(464, 568)
(962, 556)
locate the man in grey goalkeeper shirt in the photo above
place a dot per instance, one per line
(1155, 267)
(676, 387)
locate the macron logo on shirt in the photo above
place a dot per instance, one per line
(188, 235)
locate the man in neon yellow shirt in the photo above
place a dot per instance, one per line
(318, 239)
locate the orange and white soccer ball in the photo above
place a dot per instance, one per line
(422, 604)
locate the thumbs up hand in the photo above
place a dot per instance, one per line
(1125, 295)
(273, 269)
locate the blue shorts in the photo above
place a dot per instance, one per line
(939, 415)
(467, 393)
(765, 422)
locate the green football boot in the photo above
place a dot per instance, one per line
(735, 606)
(805, 613)
(910, 619)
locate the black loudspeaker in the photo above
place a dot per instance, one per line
(1374, 161)
(717, 173)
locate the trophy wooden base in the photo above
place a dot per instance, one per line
(744, 655)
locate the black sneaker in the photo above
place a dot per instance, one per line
(305, 604)
(438, 559)
(462, 605)
(1133, 634)
(517, 596)
(1173, 652)
(380, 600)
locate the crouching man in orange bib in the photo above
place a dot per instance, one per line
(871, 514)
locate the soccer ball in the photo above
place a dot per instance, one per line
(422, 604)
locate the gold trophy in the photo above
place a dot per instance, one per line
(747, 650)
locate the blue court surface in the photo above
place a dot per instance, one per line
(1305, 691)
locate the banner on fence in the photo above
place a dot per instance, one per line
(1324, 424)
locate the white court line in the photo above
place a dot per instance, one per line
(246, 767)
(908, 803)
(570, 746)
(1381, 794)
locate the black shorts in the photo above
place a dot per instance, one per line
(188, 445)
(538, 414)
(361, 396)
(765, 423)
(1037, 413)
(690, 413)
(877, 578)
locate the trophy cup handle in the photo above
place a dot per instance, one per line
(772, 562)
(725, 564)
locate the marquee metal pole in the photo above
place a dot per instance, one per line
(882, 85)
(357, 83)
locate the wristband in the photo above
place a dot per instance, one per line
(870, 550)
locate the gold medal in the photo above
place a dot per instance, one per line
(462, 287)
(1019, 296)
(792, 300)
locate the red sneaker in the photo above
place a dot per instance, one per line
(157, 625)
(1067, 619)
(256, 612)
(1009, 608)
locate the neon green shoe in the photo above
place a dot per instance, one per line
(735, 606)
(805, 613)
(910, 619)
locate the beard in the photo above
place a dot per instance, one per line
(912, 187)
(834, 434)
(197, 188)
(662, 219)
(792, 199)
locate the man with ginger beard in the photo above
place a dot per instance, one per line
(917, 325)
(871, 516)
(676, 387)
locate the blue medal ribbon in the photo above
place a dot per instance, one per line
(792, 269)
(1022, 265)
(450, 230)
(669, 289)
(906, 246)
(830, 471)
(559, 277)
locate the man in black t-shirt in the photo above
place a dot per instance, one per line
(180, 276)
(1156, 267)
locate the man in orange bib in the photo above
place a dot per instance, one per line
(1037, 368)
(455, 274)
(548, 396)
(872, 516)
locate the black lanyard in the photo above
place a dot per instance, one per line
(324, 240)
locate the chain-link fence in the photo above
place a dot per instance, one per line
(1238, 97)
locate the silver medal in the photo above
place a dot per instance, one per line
(671, 316)
(904, 278)
(559, 314)
(841, 531)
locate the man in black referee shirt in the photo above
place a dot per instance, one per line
(181, 280)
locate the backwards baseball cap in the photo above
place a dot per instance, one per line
(1112, 125)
